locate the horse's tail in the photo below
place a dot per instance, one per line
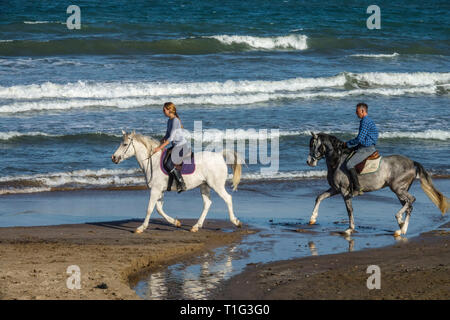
(430, 190)
(235, 165)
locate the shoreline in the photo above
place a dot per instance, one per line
(416, 268)
(35, 260)
(244, 182)
(110, 256)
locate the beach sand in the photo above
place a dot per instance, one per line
(34, 260)
(111, 258)
(414, 269)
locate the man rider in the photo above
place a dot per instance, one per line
(364, 144)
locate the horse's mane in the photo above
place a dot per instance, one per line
(337, 144)
(147, 141)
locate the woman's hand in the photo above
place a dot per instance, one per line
(161, 146)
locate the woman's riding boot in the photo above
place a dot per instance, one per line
(355, 182)
(181, 186)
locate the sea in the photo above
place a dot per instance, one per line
(281, 68)
(287, 68)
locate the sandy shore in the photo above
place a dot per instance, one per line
(414, 269)
(34, 260)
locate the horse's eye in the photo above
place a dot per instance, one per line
(124, 144)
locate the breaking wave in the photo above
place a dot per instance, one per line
(84, 94)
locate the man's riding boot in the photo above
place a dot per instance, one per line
(357, 190)
(181, 186)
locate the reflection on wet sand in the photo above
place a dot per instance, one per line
(192, 281)
(198, 278)
(315, 252)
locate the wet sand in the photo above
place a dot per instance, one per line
(34, 260)
(417, 268)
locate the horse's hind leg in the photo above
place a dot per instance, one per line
(159, 208)
(228, 200)
(406, 199)
(205, 190)
(329, 193)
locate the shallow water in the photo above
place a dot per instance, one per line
(288, 238)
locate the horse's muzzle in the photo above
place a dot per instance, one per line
(115, 159)
(311, 162)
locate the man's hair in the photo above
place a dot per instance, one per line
(363, 105)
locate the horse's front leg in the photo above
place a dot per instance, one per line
(154, 196)
(348, 204)
(329, 193)
(159, 208)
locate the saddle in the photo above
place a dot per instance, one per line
(186, 168)
(370, 164)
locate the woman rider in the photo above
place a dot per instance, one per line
(179, 149)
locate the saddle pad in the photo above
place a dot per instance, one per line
(368, 166)
(186, 168)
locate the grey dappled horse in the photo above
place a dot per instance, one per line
(396, 172)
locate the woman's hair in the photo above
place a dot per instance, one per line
(171, 107)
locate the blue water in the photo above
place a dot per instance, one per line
(294, 66)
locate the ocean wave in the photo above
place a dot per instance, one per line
(128, 179)
(374, 55)
(191, 45)
(91, 44)
(42, 22)
(100, 90)
(216, 135)
(427, 134)
(116, 178)
(78, 179)
(43, 136)
(293, 41)
(83, 94)
(205, 100)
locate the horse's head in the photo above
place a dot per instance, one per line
(317, 150)
(126, 148)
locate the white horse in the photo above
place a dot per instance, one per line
(210, 172)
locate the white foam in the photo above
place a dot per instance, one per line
(53, 96)
(235, 99)
(374, 55)
(12, 134)
(101, 90)
(42, 22)
(414, 79)
(427, 134)
(117, 178)
(293, 41)
(285, 175)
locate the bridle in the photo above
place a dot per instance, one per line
(317, 158)
(148, 163)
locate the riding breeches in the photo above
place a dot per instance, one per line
(359, 156)
(176, 155)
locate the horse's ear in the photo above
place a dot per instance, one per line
(123, 132)
(313, 134)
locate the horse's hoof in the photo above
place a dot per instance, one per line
(239, 224)
(311, 222)
(348, 232)
(177, 223)
(194, 229)
(138, 231)
(397, 233)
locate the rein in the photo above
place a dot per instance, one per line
(147, 181)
